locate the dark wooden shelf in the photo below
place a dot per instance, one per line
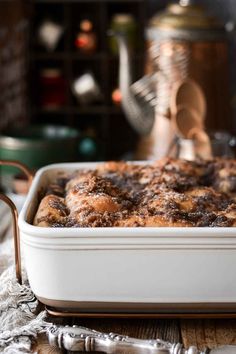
(86, 1)
(109, 121)
(65, 55)
(86, 110)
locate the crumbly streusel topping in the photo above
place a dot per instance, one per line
(169, 192)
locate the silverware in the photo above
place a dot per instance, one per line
(83, 339)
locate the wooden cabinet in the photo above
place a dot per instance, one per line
(13, 64)
(104, 120)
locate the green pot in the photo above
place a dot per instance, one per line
(36, 146)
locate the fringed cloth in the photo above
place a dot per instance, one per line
(21, 318)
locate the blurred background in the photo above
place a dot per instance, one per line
(61, 98)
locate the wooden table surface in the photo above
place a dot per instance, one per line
(198, 332)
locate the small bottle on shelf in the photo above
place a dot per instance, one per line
(52, 89)
(86, 38)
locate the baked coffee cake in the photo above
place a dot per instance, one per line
(169, 193)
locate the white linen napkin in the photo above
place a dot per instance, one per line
(20, 319)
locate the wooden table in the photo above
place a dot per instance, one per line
(198, 332)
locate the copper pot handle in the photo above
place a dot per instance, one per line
(14, 212)
(21, 167)
(16, 235)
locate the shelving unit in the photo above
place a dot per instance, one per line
(113, 133)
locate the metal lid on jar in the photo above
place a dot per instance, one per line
(50, 73)
(86, 25)
(123, 18)
(185, 21)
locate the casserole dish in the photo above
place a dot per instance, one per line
(130, 269)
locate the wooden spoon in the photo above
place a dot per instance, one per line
(202, 142)
(189, 94)
(185, 120)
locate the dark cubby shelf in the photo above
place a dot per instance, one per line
(94, 110)
(107, 119)
(65, 55)
(83, 1)
(72, 55)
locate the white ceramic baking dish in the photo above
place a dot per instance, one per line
(133, 269)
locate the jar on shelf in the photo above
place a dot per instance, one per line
(123, 23)
(52, 89)
(86, 89)
(86, 38)
(49, 34)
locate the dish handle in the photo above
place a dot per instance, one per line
(21, 167)
(14, 213)
(16, 235)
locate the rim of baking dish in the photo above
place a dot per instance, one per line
(222, 236)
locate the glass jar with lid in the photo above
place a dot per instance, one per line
(52, 88)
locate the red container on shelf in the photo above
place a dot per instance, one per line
(86, 38)
(52, 88)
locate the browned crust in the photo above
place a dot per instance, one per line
(169, 192)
